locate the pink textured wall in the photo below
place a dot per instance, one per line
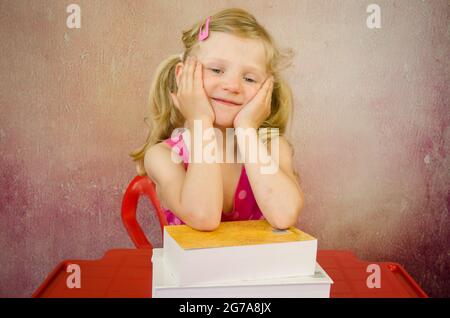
(371, 126)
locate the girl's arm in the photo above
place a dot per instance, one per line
(202, 190)
(278, 193)
(195, 195)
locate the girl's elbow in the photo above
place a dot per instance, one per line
(203, 225)
(289, 219)
(284, 224)
(206, 222)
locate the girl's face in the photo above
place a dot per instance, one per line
(234, 69)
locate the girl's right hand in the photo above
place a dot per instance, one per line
(191, 99)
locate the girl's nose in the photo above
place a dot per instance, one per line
(232, 83)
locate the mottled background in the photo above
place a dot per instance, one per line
(371, 126)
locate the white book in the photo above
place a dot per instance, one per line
(237, 251)
(314, 286)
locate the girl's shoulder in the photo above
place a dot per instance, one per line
(166, 146)
(285, 147)
(286, 158)
(158, 162)
(158, 148)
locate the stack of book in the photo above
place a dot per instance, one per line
(239, 259)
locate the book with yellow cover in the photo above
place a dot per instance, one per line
(234, 234)
(237, 251)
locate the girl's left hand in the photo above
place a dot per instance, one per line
(257, 109)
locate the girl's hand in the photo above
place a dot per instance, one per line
(257, 109)
(191, 99)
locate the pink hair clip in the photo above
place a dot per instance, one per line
(204, 33)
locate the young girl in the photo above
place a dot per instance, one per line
(228, 77)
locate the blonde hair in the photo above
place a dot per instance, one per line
(165, 117)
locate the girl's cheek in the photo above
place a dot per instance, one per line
(252, 94)
(207, 81)
(206, 77)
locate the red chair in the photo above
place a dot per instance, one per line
(137, 187)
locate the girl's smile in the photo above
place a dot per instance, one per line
(226, 102)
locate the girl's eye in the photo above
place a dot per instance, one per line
(218, 71)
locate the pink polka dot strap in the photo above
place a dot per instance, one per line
(178, 145)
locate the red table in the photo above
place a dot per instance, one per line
(128, 273)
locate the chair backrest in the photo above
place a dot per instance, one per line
(140, 185)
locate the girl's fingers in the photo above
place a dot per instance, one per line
(269, 90)
(268, 93)
(183, 73)
(264, 90)
(186, 74)
(190, 73)
(198, 76)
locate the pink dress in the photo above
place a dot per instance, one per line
(244, 207)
